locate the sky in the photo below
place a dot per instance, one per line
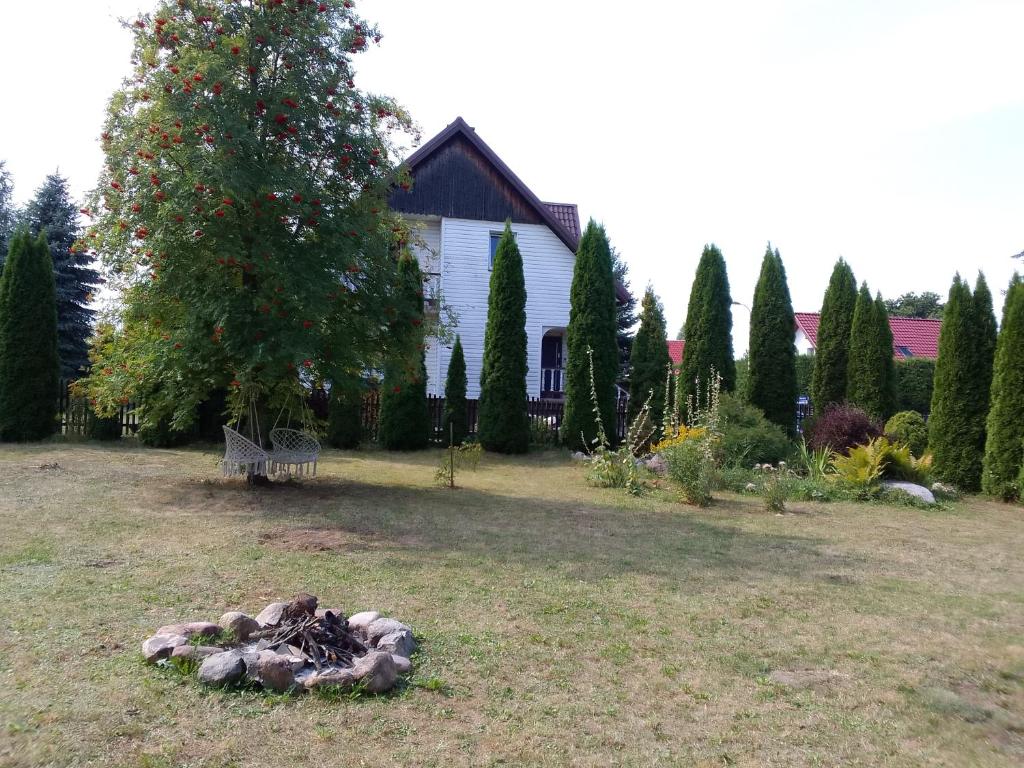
(888, 132)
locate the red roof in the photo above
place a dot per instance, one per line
(567, 216)
(675, 351)
(911, 336)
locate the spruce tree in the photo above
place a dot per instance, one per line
(29, 367)
(503, 424)
(591, 324)
(771, 380)
(869, 382)
(455, 423)
(625, 313)
(708, 328)
(8, 214)
(1004, 445)
(649, 363)
(404, 416)
(831, 356)
(953, 428)
(53, 211)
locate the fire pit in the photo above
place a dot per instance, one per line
(290, 646)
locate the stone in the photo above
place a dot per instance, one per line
(358, 622)
(657, 464)
(750, 488)
(800, 679)
(321, 612)
(303, 604)
(377, 671)
(911, 489)
(271, 615)
(206, 628)
(342, 678)
(402, 664)
(222, 668)
(380, 627)
(400, 643)
(580, 456)
(195, 651)
(276, 673)
(161, 646)
(239, 624)
(172, 629)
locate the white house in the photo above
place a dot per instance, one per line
(462, 195)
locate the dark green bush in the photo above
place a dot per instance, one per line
(748, 437)
(344, 420)
(102, 427)
(909, 428)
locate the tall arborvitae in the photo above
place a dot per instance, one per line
(29, 366)
(953, 427)
(404, 417)
(1004, 445)
(886, 358)
(985, 333)
(867, 383)
(455, 424)
(591, 324)
(503, 424)
(345, 416)
(53, 211)
(649, 363)
(831, 356)
(771, 381)
(708, 328)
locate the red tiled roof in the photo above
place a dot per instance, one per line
(918, 336)
(567, 216)
(675, 351)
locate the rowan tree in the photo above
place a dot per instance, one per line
(831, 356)
(771, 380)
(592, 325)
(242, 211)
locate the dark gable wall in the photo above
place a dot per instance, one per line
(458, 182)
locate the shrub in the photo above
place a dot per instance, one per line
(909, 428)
(901, 464)
(102, 427)
(774, 486)
(840, 427)
(344, 420)
(747, 436)
(689, 465)
(815, 463)
(862, 467)
(542, 434)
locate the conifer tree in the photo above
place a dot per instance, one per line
(404, 416)
(708, 328)
(8, 214)
(345, 417)
(625, 312)
(456, 416)
(869, 383)
(886, 358)
(985, 335)
(649, 363)
(53, 211)
(29, 367)
(591, 324)
(771, 381)
(828, 382)
(953, 427)
(503, 424)
(1004, 445)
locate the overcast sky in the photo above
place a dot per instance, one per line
(888, 132)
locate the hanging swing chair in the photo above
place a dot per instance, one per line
(244, 456)
(294, 451)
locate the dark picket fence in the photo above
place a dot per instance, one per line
(74, 413)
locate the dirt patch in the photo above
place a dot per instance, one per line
(313, 540)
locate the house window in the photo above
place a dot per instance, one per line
(905, 351)
(495, 239)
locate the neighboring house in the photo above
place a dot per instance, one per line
(911, 336)
(460, 199)
(675, 351)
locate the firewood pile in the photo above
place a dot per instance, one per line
(291, 645)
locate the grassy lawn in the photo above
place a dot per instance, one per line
(559, 624)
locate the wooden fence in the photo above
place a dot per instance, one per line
(74, 413)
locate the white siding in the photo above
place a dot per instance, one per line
(803, 344)
(464, 251)
(426, 242)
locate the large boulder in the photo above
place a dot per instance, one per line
(222, 668)
(911, 489)
(276, 672)
(239, 624)
(341, 678)
(381, 627)
(402, 664)
(377, 671)
(271, 615)
(161, 646)
(190, 628)
(359, 622)
(195, 651)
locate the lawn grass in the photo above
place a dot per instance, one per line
(559, 624)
